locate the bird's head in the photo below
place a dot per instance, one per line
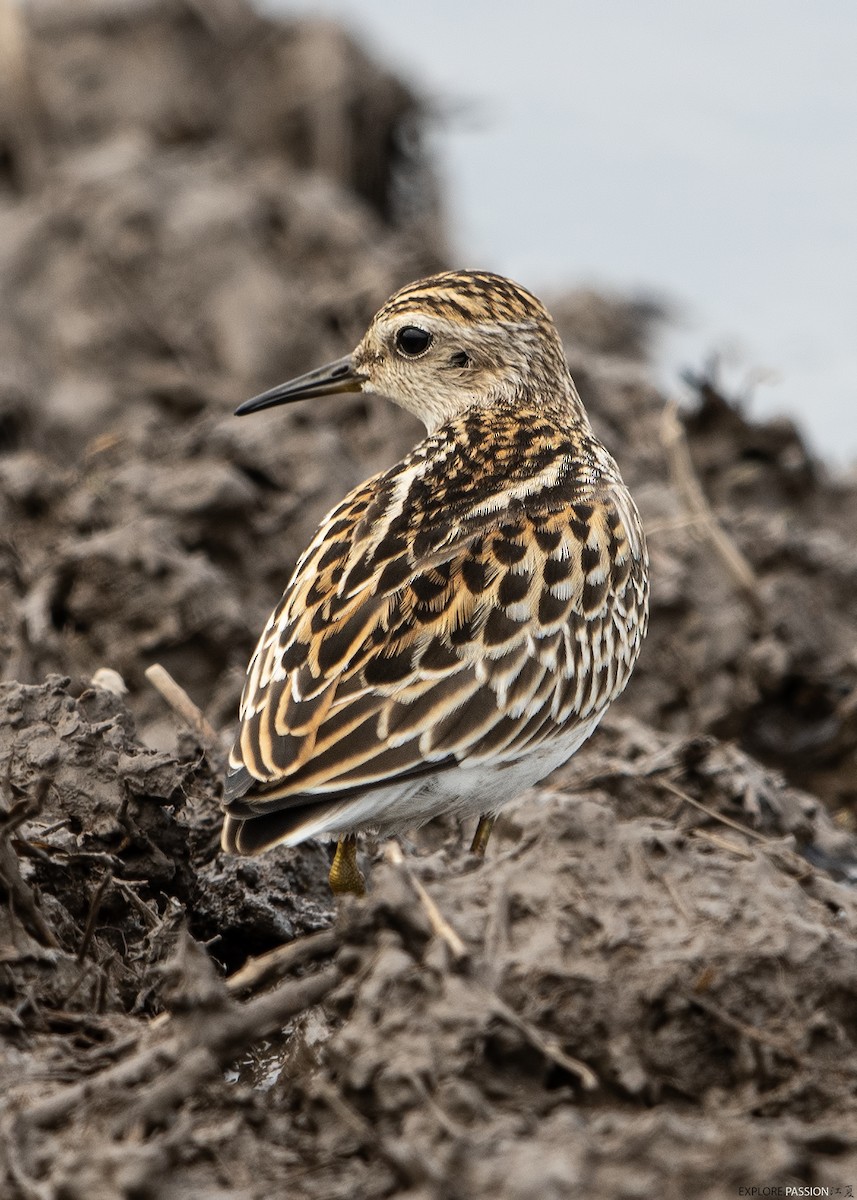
(443, 345)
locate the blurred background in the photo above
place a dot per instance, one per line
(703, 153)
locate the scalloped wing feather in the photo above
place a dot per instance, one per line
(431, 621)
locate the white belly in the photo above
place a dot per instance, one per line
(464, 791)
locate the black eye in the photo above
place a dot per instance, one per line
(413, 341)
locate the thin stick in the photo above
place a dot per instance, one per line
(686, 480)
(722, 843)
(181, 703)
(92, 915)
(547, 1046)
(711, 812)
(409, 1163)
(440, 926)
(444, 930)
(21, 897)
(222, 1036)
(749, 1031)
(668, 886)
(267, 968)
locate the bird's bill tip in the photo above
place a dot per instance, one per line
(339, 376)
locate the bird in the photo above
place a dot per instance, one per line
(460, 623)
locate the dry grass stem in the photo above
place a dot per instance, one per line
(440, 926)
(687, 482)
(180, 702)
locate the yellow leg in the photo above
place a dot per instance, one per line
(483, 833)
(345, 876)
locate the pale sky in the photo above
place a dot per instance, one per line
(704, 152)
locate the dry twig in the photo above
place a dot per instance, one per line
(667, 884)
(440, 926)
(748, 1031)
(711, 812)
(181, 703)
(182, 1057)
(442, 929)
(687, 482)
(270, 967)
(547, 1046)
(722, 843)
(91, 916)
(21, 898)
(407, 1161)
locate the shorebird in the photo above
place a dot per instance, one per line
(460, 623)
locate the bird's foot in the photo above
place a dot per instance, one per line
(346, 878)
(483, 833)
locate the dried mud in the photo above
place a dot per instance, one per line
(648, 987)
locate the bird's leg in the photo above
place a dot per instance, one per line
(345, 876)
(482, 834)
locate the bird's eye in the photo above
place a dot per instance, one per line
(413, 341)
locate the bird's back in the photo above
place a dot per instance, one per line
(476, 607)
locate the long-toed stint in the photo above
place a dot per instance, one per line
(459, 624)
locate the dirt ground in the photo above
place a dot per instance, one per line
(649, 987)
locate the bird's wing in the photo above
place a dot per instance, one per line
(405, 643)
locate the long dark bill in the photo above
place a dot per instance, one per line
(339, 376)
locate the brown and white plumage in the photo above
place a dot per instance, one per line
(459, 623)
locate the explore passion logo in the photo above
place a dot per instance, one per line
(799, 1189)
